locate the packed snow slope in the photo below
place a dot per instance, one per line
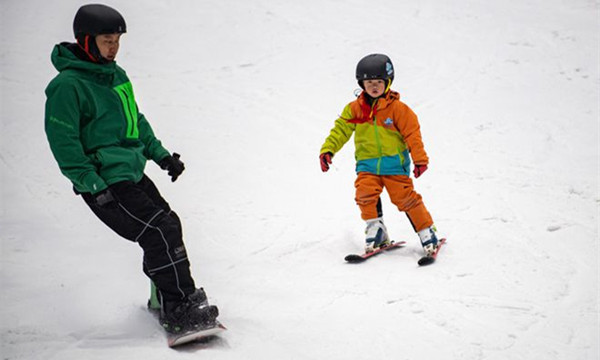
(507, 94)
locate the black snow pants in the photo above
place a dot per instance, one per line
(143, 216)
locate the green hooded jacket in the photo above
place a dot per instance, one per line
(92, 122)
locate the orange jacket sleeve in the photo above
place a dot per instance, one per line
(410, 130)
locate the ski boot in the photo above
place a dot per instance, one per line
(190, 314)
(377, 236)
(429, 240)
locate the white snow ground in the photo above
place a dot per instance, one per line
(507, 93)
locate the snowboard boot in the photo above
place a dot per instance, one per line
(190, 314)
(155, 301)
(377, 236)
(429, 240)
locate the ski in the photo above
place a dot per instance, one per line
(430, 259)
(194, 336)
(358, 258)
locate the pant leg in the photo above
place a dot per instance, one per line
(402, 194)
(143, 216)
(368, 190)
(152, 191)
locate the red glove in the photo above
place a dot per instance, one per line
(419, 170)
(325, 160)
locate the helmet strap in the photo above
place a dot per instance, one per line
(87, 43)
(389, 85)
(84, 44)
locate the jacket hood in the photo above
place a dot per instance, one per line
(64, 59)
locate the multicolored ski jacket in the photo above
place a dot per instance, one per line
(93, 126)
(384, 135)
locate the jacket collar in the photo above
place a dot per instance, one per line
(63, 58)
(382, 102)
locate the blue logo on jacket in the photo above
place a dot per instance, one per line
(388, 122)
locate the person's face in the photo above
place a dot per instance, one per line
(375, 87)
(108, 44)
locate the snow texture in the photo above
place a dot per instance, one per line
(507, 93)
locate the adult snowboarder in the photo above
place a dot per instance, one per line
(102, 143)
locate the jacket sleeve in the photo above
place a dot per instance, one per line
(153, 148)
(62, 126)
(411, 132)
(340, 134)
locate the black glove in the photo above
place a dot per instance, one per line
(105, 199)
(173, 165)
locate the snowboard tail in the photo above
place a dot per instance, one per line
(191, 336)
(188, 337)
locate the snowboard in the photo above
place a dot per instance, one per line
(194, 336)
(358, 258)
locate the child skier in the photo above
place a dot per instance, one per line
(385, 131)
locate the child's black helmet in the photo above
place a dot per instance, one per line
(96, 19)
(375, 66)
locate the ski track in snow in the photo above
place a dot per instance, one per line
(507, 96)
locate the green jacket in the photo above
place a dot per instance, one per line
(92, 122)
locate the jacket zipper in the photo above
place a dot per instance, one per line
(377, 140)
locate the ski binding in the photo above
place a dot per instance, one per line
(358, 258)
(430, 259)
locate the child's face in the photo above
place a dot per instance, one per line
(375, 87)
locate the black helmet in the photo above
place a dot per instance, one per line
(375, 66)
(96, 19)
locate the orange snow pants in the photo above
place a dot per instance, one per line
(402, 194)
